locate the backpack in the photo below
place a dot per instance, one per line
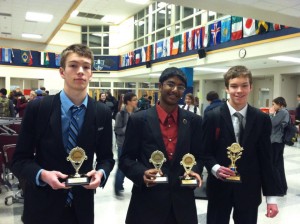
(290, 133)
(4, 107)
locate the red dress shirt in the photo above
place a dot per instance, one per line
(169, 128)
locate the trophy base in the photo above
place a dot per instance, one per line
(161, 180)
(75, 181)
(233, 179)
(192, 182)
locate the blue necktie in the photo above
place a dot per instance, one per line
(72, 139)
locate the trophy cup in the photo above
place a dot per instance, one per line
(157, 159)
(188, 161)
(77, 157)
(234, 153)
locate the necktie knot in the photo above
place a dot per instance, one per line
(239, 116)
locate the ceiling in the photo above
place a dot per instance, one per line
(13, 23)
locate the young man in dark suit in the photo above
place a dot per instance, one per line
(175, 132)
(221, 128)
(41, 152)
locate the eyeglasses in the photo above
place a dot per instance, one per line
(172, 86)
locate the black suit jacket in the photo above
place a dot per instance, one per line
(254, 167)
(42, 203)
(142, 138)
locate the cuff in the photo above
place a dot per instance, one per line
(271, 199)
(214, 170)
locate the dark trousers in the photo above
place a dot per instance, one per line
(119, 180)
(219, 213)
(278, 162)
(69, 216)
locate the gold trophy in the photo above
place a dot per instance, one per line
(157, 159)
(77, 157)
(188, 161)
(234, 153)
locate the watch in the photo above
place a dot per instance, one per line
(242, 53)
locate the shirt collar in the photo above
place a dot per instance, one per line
(163, 115)
(242, 111)
(67, 103)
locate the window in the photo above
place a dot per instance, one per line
(105, 84)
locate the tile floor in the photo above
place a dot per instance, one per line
(111, 210)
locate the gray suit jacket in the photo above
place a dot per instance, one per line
(279, 122)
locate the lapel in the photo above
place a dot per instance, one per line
(153, 122)
(226, 119)
(250, 121)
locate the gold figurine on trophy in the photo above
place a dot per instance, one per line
(234, 153)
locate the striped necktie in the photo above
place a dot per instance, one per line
(241, 126)
(72, 140)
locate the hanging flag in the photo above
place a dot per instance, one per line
(262, 27)
(215, 31)
(45, 60)
(248, 27)
(30, 59)
(175, 44)
(137, 56)
(190, 40)
(144, 49)
(274, 27)
(236, 27)
(159, 49)
(0, 54)
(225, 29)
(148, 53)
(166, 47)
(127, 59)
(57, 59)
(25, 57)
(7, 55)
(197, 38)
(205, 35)
(183, 45)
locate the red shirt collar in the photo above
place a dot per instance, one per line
(163, 115)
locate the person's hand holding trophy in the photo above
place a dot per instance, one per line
(155, 176)
(190, 178)
(76, 157)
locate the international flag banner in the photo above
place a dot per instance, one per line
(175, 43)
(183, 43)
(30, 59)
(7, 55)
(190, 40)
(45, 60)
(57, 59)
(153, 51)
(25, 57)
(148, 53)
(274, 27)
(248, 27)
(131, 58)
(137, 56)
(159, 49)
(166, 47)
(197, 38)
(225, 29)
(0, 54)
(236, 27)
(262, 27)
(144, 49)
(215, 33)
(205, 35)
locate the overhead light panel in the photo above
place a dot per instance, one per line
(38, 17)
(285, 58)
(210, 69)
(33, 36)
(140, 2)
(74, 13)
(112, 19)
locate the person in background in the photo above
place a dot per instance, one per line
(143, 103)
(130, 102)
(175, 132)
(32, 95)
(213, 99)
(121, 103)
(238, 122)
(114, 108)
(40, 159)
(297, 117)
(6, 105)
(189, 104)
(21, 105)
(150, 100)
(39, 94)
(102, 97)
(280, 118)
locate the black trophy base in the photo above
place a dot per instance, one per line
(161, 180)
(76, 181)
(191, 182)
(233, 179)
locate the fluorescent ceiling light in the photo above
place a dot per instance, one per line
(74, 13)
(140, 2)
(29, 35)
(38, 17)
(112, 19)
(210, 69)
(100, 34)
(285, 58)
